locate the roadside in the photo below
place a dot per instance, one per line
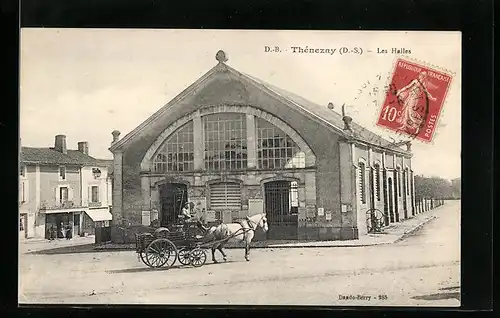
(36, 245)
(391, 234)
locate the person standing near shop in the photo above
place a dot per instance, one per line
(62, 230)
(69, 231)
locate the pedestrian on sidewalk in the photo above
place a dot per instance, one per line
(69, 231)
(62, 230)
(53, 232)
(50, 233)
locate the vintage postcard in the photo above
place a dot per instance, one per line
(240, 167)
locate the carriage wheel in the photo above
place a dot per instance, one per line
(198, 257)
(374, 220)
(184, 256)
(161, 252)
(143, 258)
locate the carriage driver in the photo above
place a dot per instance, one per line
(186, 213)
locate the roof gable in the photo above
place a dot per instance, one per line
(329, 117)
(52, 156)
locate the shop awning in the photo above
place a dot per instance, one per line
(99, 215)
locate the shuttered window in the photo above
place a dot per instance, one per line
(95, 194)
(63, 194)
(225, 196)
(362, 190)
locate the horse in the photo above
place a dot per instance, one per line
(243, 231)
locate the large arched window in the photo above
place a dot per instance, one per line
(225, 141)
(275, 149)
(176, 153)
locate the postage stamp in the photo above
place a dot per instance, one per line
(414, 100)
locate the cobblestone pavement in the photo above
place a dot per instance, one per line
(420, 270)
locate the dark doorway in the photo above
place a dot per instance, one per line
(391, 199)
(372, 189)
(405, 204)
(173, 196)
(386, 197)
(76, 224)
(412, 194)
(396, 194)
(281, 204)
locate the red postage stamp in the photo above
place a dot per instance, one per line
(414, 100)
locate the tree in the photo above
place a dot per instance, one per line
(432, 187)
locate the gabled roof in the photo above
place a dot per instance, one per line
(322, 112)
(329, 117)
(52, 156)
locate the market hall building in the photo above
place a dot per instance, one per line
(236, 146)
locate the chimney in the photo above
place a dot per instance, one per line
(60, 144)
(347, 119)
(408, 146)
(83, 146)
(116, 136)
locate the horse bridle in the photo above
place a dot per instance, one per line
(249, 221)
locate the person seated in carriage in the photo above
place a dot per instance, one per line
(186, 216)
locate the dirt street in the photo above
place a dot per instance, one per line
(423, 270)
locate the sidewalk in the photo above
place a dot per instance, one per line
(37, 244)
(391, 234)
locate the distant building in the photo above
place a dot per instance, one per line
(237, 146)
(62, 186)
(456, 188)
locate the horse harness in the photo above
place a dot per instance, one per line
(251, 225)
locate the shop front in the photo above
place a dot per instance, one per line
(63, 225)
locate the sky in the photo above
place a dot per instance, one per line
(85, 83)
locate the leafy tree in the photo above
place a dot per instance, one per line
(432, 187)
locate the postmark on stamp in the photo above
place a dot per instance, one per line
(414, 100)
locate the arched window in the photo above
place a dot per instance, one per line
(275, 149)
(225, 196)
(225, 141)
(176, 154)
(376, 181)
(362, 177)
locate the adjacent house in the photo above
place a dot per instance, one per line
(237, 146)
(60, 187)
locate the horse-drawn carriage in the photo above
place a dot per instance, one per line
(188, 241)
(164, 246)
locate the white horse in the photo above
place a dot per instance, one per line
(243, 231)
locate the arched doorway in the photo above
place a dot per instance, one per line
(173, 196)
(281, 207)
(391, 199)
(396, 194)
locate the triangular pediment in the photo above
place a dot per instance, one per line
(225, 85)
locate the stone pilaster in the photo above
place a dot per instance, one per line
(117, 187)
(146, 192)
(198, 143)
(251, 142)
